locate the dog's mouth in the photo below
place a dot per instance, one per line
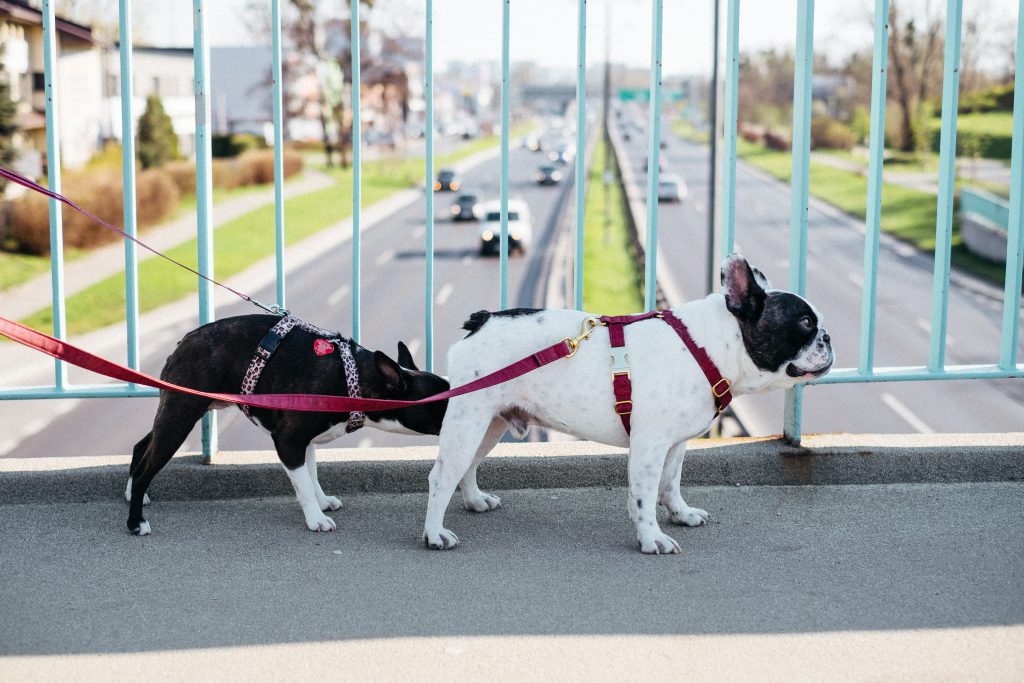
(808, 373)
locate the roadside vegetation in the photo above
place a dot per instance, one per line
(611, 283)
(240, 243)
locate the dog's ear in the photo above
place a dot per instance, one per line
(744, 295)
(390, 372)
(761, 279)
(405, 358)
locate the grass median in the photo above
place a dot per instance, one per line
(610, 283)
(243, 241)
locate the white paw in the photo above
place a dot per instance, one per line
(690, 517)
(440, 540)
(485, 502)
(144, 529)
(659, 544)
(329, 503)
(321, 523)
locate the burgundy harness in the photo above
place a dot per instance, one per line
(621, 384)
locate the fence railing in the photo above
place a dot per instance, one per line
(1006, 365)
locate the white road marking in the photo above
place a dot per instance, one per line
(855, 279)
(419, 231)
(925, 325)
(384, 257)
(414, 346)
(906, 414)
(903, 249)
(467, 259)
(338, 294)
(446, 291)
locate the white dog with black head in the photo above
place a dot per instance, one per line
(760, 339)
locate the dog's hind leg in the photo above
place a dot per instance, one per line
(472, 497)
(293, 457)
(461, 436)
(325, 502)
(137, 453)
(647, 458)
(669, 493)
(175, 417)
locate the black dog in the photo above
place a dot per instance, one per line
(216, 358)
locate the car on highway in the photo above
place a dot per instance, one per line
(561, 154)
(520, 228)
(548, 175)
(447, 181)
(671, 188)
(466, 207)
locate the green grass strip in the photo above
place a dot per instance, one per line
(243, 241)
(610, 282)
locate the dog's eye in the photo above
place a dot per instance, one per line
(806, 322)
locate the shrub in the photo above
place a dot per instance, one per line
(233, 144)
(860, 124)
(996, 98)
(777, 141)
(227, 174)
(830, 133)
(99, 192)
(258, 165)
(183, 173)
(751, 133)
(156, 143)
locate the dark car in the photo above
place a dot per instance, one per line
(465, 208)
(447, 181)
(548, 175)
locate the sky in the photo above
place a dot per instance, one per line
(544, 31)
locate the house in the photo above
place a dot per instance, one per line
(79, 85)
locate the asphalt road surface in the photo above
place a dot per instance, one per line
(393, 275)
(835, 278)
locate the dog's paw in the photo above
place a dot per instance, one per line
(485, 502)
(659, 544)
(440, 540)
(690, 517)
(330, 503)
(143, 529)
(321, 523)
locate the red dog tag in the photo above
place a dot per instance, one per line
(322, 347)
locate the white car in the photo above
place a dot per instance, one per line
(520, 227)
(671, 188)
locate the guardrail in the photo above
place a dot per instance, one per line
(1006, 366)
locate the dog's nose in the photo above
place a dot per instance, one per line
(825, 338)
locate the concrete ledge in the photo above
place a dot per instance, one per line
(823, 459)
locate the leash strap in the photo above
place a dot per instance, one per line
(312, 403)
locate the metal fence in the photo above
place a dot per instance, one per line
(866, 371)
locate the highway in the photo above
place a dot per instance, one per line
(835, 278)
(392, 305)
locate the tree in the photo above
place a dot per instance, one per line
(155, 142)
(8, 127)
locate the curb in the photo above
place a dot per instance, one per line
(824, 460)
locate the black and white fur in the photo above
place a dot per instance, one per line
(215, 357)
(761, 339)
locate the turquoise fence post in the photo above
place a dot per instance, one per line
(653, 158)
(873, 219)
(799, 185)
(275, 49)
(947, 176)
(428, 89)
(50, 47)
(357, 172)
(131, 267)
(581, 147)
(503, 267)
(204, 190)
(1015, 227)
(731, 125)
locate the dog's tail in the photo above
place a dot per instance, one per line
(476, 321)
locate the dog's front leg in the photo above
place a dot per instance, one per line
(669, 493)
(325, 502)
(293, 458)
(646, 461)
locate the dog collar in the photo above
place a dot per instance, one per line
(265, 349)
(621, 384)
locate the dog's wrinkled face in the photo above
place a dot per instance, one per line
(783, 334)
(403, 381)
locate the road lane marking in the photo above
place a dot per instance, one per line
(446, 291)
(906, 414)
(338, 294)
(384, 257)
(925, 325)
(419, 231)
(414, 346)
(467, 259)
(855, 279)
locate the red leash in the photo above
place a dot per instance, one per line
(314, 403)
(36, 187)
